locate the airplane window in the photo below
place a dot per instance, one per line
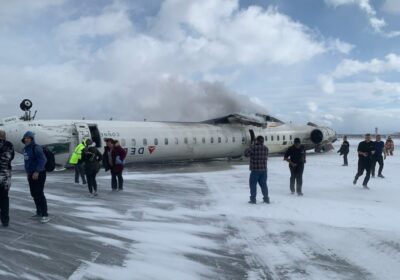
(194, 140)
(212, 140)
(176, 141)
(166, 141)
(243, 140)
(291, 137)
(266, 138)
(185, 140)
(284, 137)
(156, 141)
(145, 142)
(277, 138)
(219, 139)
(203, 140)
(233, 139)
(133, 142)
(123, 142)
(272, 137)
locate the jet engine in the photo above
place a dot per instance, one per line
(317, 136)
(26, 105)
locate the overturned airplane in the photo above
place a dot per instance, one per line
(225, 137)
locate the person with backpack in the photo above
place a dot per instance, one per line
(77, 162)
(35, 167)
(91, 158)
(6, 156)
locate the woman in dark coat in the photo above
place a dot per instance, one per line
(118, 155)
(92, 158)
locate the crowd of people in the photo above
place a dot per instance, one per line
(369, 154)
(87, 161)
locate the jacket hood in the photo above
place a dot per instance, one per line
(28, 134)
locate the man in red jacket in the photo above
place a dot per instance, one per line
(118, 155)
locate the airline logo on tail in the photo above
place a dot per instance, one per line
(151, 149)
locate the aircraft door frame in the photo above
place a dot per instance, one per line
(83, 131)
(252, 136)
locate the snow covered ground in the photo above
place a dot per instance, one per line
(192, 221)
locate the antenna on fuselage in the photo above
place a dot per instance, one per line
(26, 106)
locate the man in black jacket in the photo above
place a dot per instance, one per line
(296, 156)
(366, 150)
(6, 156)
(344, 150)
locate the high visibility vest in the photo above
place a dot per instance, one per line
(77, 154)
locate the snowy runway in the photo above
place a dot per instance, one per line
(193, 222)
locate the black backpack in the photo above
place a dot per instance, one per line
(51, 161)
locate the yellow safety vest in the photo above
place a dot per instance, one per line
(77, 154)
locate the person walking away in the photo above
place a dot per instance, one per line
(118, 155)
(378, 156)
(344, 150)
(296, 156)
(366, 150)
(389, 147)
(91, 158)
(107, 155)
(35, 162)
(77, 162)
(258, 154)
(6, 156)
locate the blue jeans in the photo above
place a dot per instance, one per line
(259, 177)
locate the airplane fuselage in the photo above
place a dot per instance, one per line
(159, 141)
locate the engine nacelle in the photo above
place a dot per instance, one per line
(317, 136)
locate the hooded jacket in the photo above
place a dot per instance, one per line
(76, 156)
(92, 158)
(35, 159)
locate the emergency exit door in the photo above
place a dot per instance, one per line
(83, 131)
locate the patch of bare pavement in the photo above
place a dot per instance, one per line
(167, 225)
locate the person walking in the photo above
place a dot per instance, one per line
(118, 155)
(389, 147)
(91, 158)
(296, 156)
(6, 156)
(366, 149)
(344, 150)
(258, 154)
(107, 155)
(35, 162)
(77, 162)
(378, 157)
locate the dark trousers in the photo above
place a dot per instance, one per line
(364, 164)
(345, 162)
(91, 180)
(117, 180)
(296, 176)
(79, 172)
(259, 177)
(4, 205)
(379, 160)
(37, 187)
